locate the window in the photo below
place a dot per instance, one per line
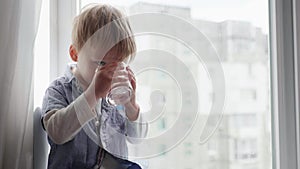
(248, 94)
(240, 33)
(234, 47)
(245, 149)
(42, 55)
(241, 121)
(240, 37)
(161, 124)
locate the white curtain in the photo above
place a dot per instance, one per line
(18, 28)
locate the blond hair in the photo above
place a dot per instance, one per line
(115, 30)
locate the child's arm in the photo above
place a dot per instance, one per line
(63, 124)
(136, 128)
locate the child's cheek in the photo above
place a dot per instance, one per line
(88, 74)
(91, 74)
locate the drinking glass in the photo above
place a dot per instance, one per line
(121, 89)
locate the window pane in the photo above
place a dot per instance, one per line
(238, 31)
(41, 55)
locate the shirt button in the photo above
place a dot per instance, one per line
(97, 123)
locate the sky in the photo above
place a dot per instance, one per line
(253, 11)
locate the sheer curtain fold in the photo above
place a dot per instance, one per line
(19, 23)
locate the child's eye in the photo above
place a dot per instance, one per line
(101, 63)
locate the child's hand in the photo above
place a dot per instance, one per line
(101, 83)
(132, 108)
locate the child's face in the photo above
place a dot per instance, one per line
(87, 64)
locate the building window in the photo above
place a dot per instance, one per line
(243, 120)
(246, 149)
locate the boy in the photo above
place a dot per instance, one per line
(72, 104)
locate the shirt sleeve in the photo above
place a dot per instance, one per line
(136, 130)
(63, 122)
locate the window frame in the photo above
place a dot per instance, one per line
(284, 83)
(62, 14)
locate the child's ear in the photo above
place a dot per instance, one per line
(73, 53)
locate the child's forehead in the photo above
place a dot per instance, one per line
(109, 57)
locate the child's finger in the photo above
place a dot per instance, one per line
(133, 84)
(129, 70)
(130, 73)
(132, 79)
